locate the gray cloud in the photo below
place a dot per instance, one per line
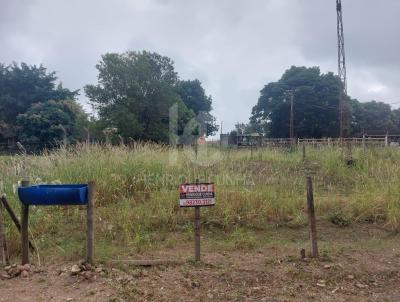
(233, 46)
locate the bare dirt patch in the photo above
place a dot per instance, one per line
(358, 263)
(55, 283)
(251, 277)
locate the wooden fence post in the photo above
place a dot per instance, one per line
(363, 143)
(311, 218)
(196, 149)
(14, 218)
(24, 228)
(3, 243)
(90, 223)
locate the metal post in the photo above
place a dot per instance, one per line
(341, 71)
(90, 223)
(291, 114)
(24, 228)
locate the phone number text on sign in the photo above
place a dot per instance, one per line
(197, 195)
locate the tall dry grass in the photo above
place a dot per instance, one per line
(137, 191)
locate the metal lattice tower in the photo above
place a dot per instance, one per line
(341, 66)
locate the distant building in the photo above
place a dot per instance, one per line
(253, 139)
(224, 139)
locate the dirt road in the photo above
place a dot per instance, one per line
(356, 264)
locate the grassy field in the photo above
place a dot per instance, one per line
(137, 194)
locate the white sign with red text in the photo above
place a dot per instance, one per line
(197, 195)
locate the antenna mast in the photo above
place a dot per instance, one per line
(341, 66)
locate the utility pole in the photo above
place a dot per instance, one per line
(341, 70)
(220, 137)
(291, 116)
(290, 93)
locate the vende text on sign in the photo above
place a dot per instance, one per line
(197, 195)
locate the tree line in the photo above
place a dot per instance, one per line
(136, 91)
(132, 100)
(315, 109)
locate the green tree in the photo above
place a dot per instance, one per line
(194, 97)
(373, 118)
(49, 123)
(395, 117)
(248, 128)
(135, 93)
(23, 85)
(315, 104)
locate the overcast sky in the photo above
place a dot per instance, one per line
(234, 47)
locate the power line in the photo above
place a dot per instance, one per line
(393, 97)
(391, 103)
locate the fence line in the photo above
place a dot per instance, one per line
(260, 141)
(354, 141)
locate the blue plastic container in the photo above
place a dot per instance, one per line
(47, 195)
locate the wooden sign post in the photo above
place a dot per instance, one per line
(197, 195)
(197, 233)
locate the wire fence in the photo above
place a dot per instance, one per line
(259, 142)
(263, 142)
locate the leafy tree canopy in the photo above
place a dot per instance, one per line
(23, 85)
(49, 123)
(194, 97)
(136, 91)
(315, 104)
(373, 118)
(316, 108)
